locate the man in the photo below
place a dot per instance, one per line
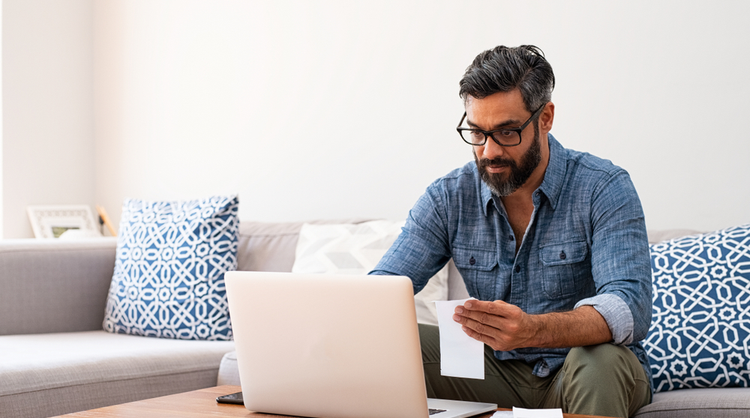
(552, 244)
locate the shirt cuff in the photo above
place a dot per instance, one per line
(617, 314)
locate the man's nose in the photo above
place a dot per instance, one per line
(491, 149)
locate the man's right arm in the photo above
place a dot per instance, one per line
(422, 248)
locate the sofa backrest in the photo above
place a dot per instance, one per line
(659, 235)
(54, 285)
(269, 246)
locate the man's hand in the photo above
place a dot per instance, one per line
(505, 327)
(500, 325)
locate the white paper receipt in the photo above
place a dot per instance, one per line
(460, 355)
(537, 413)
(529, 413)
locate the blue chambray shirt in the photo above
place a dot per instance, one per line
(586, 244)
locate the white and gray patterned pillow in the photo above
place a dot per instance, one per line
(700, 326)
(169, 272)
(356, 249)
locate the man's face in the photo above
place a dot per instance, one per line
(503, 184)
(504, 169)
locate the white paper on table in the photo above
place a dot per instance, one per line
(537, 413)
(502, 414)
(460, 355)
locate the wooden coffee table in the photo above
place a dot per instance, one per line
(198, 403)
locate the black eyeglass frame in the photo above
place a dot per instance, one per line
(518, 130)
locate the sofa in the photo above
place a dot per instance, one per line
(57, 359)
(54, 356)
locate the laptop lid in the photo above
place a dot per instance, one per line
(328, 345)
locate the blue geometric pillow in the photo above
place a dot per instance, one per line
(700, 328)
(169, 271)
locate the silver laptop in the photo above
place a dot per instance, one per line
(331, 346)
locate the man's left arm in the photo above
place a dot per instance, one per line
(620, 260)
(620, 312)
(505, 327)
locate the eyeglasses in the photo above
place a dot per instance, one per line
(505, 137)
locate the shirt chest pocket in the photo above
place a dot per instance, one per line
(475, 265)
(564, 267)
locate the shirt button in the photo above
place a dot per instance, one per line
(518, 269)
(562, 255)
(472, 261)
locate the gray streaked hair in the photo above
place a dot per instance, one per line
(503, 69)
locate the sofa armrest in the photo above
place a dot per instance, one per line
(54, 285)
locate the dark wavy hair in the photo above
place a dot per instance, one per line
(503, 69)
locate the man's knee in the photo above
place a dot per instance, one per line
(604, 376)
(601, 364)
(598, 359)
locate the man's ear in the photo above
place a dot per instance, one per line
(547, 117)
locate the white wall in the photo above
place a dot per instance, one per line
(333, 109)
(47, 135)
(306, 109)
(336, 108)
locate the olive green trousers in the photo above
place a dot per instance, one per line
(604, 380)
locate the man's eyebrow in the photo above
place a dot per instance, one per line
(504, 124)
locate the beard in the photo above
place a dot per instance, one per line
(505, 184)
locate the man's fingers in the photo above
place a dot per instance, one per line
(477, 319)
(484, 327)
(478, 326)
(497, 307)
(484, 338)
(490, 316)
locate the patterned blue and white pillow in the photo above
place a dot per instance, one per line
(169, 271)
(700, 329)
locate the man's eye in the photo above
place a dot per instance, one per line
(505, 134)
(476, 135)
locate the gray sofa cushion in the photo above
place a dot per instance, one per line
(699, 403)
(54, 286)
(83, 370)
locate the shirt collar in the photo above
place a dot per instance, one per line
(553, 176)
(485, 193)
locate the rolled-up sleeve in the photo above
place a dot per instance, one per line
(617, 314)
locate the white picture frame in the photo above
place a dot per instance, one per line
(53, 221)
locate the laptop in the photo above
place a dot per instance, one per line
(334, 346)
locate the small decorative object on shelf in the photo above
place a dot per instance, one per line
(54, 221)
(104, 220)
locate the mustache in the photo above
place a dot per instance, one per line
(495, 162)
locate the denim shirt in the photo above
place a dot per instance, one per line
(586, 244)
